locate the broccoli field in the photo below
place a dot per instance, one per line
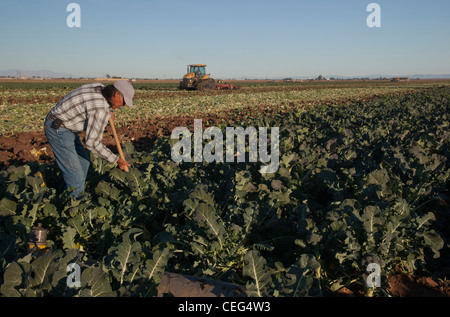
(363, 179)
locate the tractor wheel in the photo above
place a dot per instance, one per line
(207, 84)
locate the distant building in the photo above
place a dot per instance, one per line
(111, 79)
(396, 79)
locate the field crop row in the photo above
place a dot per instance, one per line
(23, 110)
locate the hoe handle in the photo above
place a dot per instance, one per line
(119, 148)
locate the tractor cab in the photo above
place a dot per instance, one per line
(198, 71)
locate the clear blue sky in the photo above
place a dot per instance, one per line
(235, 38)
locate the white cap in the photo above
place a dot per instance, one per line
(127, 91)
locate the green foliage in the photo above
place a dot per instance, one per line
(354, 182)
(255, 268)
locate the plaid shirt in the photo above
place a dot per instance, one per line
(86, 109)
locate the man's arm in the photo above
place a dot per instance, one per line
(97, 119)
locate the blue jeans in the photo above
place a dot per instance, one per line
(70, 155)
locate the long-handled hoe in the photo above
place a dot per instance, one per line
(119, 148)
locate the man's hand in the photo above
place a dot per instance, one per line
(122, 164)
